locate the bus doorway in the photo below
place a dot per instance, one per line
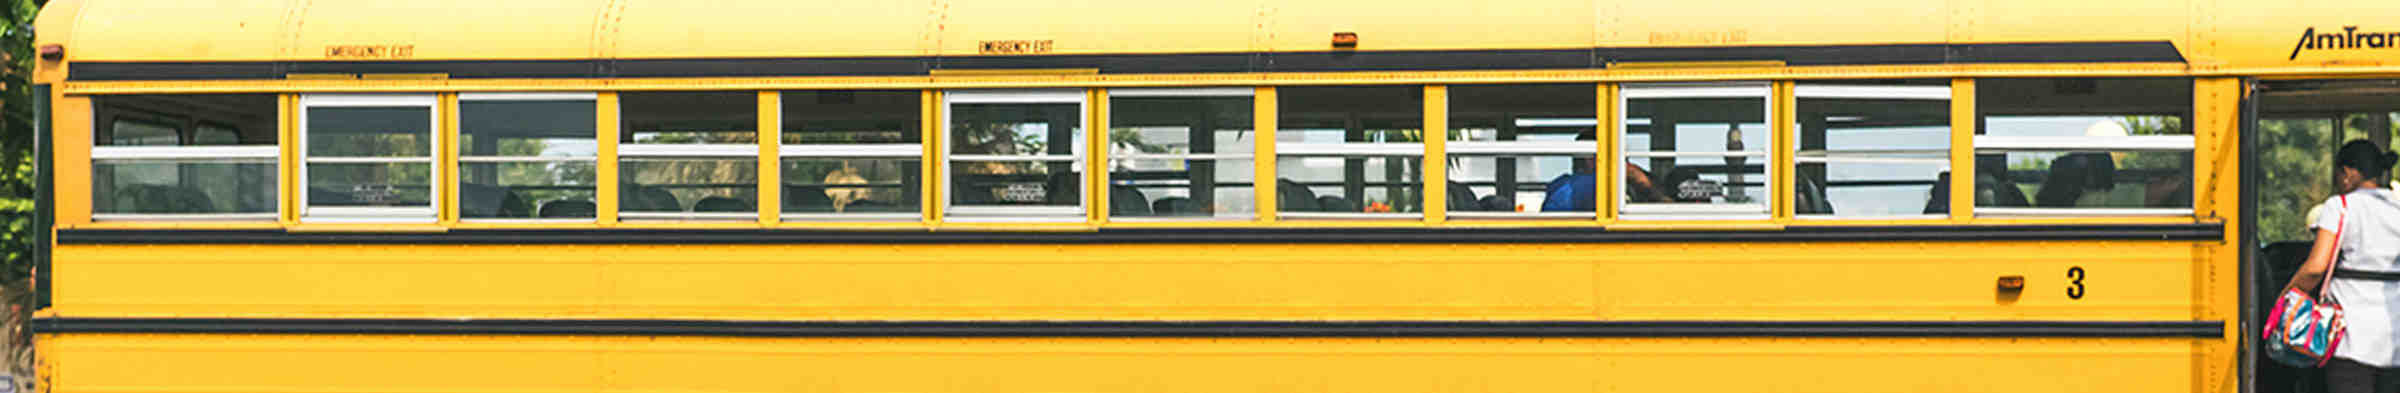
(2296, 127)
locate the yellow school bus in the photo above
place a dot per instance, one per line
(1079, 196)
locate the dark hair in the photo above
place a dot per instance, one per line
(2370, 161)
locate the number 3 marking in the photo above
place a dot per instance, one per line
(2075, 288)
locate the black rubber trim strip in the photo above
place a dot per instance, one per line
(2365, 275)
(2168, 232)
(44, 209)
(2199, 329)
(1235, 62)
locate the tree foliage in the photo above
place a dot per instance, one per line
(16, 138)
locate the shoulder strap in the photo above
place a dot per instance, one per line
(2340, 226)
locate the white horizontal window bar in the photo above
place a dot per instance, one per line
(1872, 160)
(1523, 147)
(1694, 208)
(1544, 215)
(790, 216)
(182, 152)
(694, 150)
(1219, 217)
(527, 220)
(2085, 143)
(1350, 216)
(993, 158)
(1183, 92)
(366, 100)
(1561, 122)
(1839, 217)
(873, 150)
(1019, 211)
(1697, 91)
(1876, 152)
(1164, 156)
(530, 96)
(183, 217)
(528, 159)
(370, 160)
(689, 215)
(1667, 154)
(1751, 216)
(1013, 218)
(1014, 96)
(1873, 92)
(1350, 149)
(367, 214)
(2097, 211)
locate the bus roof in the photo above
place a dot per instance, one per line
(880, 35)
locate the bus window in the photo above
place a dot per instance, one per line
(1015, 155)
(527, 155)
(368, 157)
(1180, 153)
(144, 168)
(1350, 151)
(1695, 150)
(852, 154)
(1522, 150)
(688, 155)
(2072, 146)
(1871, 148)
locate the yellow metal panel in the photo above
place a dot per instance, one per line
(1436, 196)
(1607, 163)
(1751, 281)
(2043, 21)
(1263, 106)
(445, 159)
(1781, 145)
(1770, 22)
(408, 364)
(2267, 35)
(1418, 24)
(1097, 26)
(1962, 150)
(930, 104)
(427, 29)
(605, 202)
(770, 157)
(287, 164)
(55, 25)
(226, 30)
(1096, 164)
(71, 159)
(772, 28)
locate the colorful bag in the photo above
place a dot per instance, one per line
(2303, 331)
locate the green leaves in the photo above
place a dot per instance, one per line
(17, 188)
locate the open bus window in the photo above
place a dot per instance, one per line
(1522, 150)
(852, 154)
(1695, 150)
(1181, 153)
(527, 155)
(1872, 148)
(368, 157)
(146, 166)
(1016, 155)
(688, 155)
(1350, 151)
(2079, 146)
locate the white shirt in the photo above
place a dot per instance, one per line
(2370, 241)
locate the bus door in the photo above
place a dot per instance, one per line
(2295, 128)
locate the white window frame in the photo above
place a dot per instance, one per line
(1761, 209)
(883, 151)
(953, 212)
(1181, 92)
(630, 151)
(241, 154)
(379, 214)
(1869, 156)
(2003, 144)
(463, 159)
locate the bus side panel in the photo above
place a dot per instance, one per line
(2064, 281)
(201, 363)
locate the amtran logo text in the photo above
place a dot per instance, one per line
(2348, 38)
